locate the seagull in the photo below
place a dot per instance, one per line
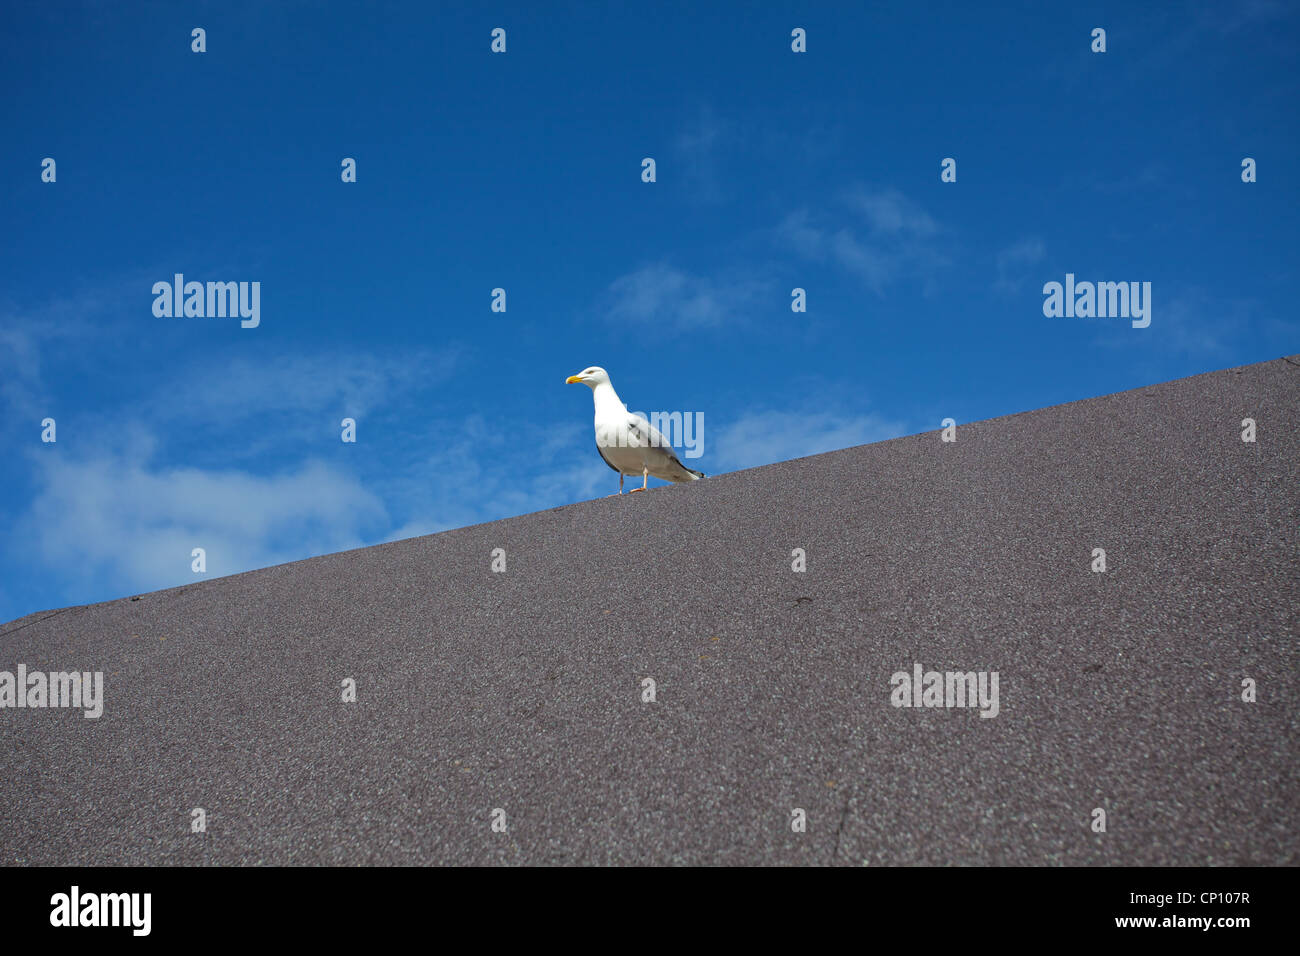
(628, 443)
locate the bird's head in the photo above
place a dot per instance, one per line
(591, 377)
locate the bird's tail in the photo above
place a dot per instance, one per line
(695, 475)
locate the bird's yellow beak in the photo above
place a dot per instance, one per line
(573, 380)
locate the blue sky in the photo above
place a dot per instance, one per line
(522, 170)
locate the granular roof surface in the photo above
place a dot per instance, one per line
(523, 690)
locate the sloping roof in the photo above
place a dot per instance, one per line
(522, 690)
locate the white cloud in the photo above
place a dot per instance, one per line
(177, 461)
(120, 508)
(115, 521)
(20, 372)
(889, 212)
(113, 518)
(1013, 260)
(697, 147)
(672, 299)
(27, 336)
(892, 239)
(1192, 321)
(334, 383)
(764, 437)
(470, 471)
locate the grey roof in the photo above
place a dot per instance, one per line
(522, 690)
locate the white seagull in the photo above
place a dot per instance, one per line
(628, 443)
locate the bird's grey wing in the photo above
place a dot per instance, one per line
(647, 434)
(671, 469)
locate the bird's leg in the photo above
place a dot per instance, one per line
(645, 477)
(620, 485)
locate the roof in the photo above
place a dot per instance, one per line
(522, 690)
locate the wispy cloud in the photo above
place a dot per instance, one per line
(353, 381)
(887, 238)
(306, 394)
(241, 456)
(674, 300)
(1192, 321)
(29, 335)
(697, 148)
(1163, 36)
(764, 437)
(890, 213)
(1012, 262)
(471, 470)
(118, 520)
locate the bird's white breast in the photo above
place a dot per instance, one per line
(620, 446)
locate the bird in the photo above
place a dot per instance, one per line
(628, 443)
